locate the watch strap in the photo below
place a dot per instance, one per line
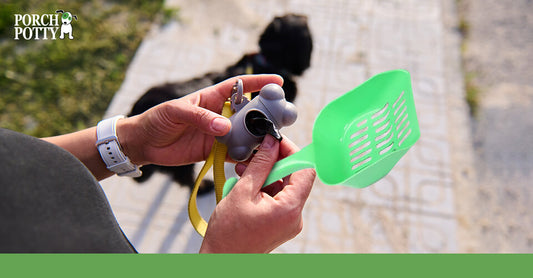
(109, 148)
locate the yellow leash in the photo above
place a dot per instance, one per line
(220, 157)
(199, 224)
(216, 157)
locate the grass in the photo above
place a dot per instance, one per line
(51, 87)
(472, 90)
(472, 93)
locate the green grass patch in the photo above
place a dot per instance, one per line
(472, 90)
(51, 87)
(472, 93)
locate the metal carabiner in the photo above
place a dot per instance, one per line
(238, 100)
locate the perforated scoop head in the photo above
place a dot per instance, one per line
(360, 136)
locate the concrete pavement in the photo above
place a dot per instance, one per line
(497, 58)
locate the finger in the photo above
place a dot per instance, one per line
(240, 168)
(207, 121)
(254, 83)
(299, 187)
(259, 168)
(251, 83)
(287, 147)
(273, 188)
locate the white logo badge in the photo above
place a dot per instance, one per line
(45, 26)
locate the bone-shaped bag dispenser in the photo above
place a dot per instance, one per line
(253, 120)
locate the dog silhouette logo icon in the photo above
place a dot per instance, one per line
(66, 27)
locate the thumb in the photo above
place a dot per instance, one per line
(259, 168)
(207, 121)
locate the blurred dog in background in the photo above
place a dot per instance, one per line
(285, 49)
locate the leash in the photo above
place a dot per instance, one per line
(216, 159)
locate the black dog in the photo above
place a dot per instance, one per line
(285, 49)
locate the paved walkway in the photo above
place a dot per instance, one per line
(413, 209)
(498, 57)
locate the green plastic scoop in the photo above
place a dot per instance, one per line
(358, 137)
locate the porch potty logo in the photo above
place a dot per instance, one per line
(45, 26)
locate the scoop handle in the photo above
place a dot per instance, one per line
(303, 159)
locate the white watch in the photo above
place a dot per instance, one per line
(110, 150)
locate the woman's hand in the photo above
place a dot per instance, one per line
(252, 219)
(182, 131)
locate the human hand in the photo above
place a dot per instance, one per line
(255, 220)
(182, 131)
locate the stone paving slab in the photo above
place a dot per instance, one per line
(410, 210)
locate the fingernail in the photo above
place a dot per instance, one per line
(220, 124)
(268, 142)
